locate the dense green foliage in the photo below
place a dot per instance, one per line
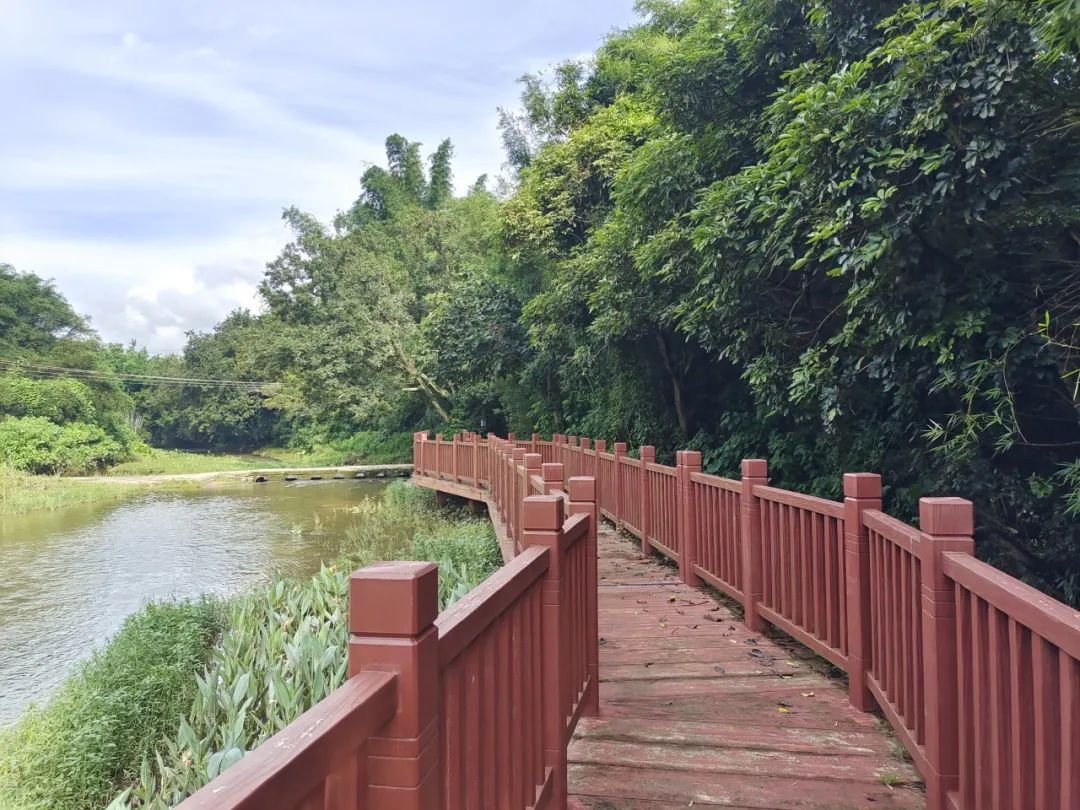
(51, 423)
(840, 235)
(93, 734)
(162, 708)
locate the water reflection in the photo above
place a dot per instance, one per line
(71, 576)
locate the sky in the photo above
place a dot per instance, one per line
(147, 148)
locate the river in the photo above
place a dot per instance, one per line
(71, 576)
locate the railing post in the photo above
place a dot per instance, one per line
(689, 462)
(543, 520)
(536, 442)
(862, 491)
(620, 451)
(454, 456)
(755, 472)
(582, 491)
(392, 610)
(554, 477)
(583, 465)
(534, 464)
(518, 491)
(648, 456)
(948, 524)
(601, 447)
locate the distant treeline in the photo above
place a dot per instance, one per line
(841, 235)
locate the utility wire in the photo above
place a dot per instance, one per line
(148, 379)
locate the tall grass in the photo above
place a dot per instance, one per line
(94, 733)
(21, 492)
(282, 650)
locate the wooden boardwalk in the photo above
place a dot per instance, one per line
(696, 711)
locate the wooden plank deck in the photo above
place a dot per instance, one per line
(696, 711)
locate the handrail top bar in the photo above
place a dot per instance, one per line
(464, 621)
(895, 531)
(630, 461)
(283, 770)
(811, 503)
(575, 528)
(663, 469)
(1042, 614)
(718, 481)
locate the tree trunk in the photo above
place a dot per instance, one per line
(676, 384)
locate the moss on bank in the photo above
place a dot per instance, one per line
(283, 648)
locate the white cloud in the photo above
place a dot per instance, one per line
(149, 148)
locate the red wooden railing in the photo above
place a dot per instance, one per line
(978, 673)
(468, 709)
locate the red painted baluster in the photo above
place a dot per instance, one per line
(392, 610)
(862, 491)
(948, 524)
(755, 472)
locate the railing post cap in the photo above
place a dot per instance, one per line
(518, 454)
(533, 461)
(581, 488)
(647, 451)
(438, 437)
(950, 517)
(862, 485)
(755, 468)
(620, 448)
(552, 472)
(542, 513)
(583, 442)
(601, 445)
(393, 599)
(572, 441)
(688, 458)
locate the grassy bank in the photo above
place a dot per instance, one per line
(283, 648)
(21, 492)
(363, 448)
(95, 731)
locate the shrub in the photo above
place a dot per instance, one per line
(58, 400)
(377, 447)
(38, 445)
(89, 739)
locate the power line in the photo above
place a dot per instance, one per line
(147, 379)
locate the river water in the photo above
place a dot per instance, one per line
(68, 578)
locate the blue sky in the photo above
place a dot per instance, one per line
(147, 148)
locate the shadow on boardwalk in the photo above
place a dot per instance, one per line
(696, 711)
